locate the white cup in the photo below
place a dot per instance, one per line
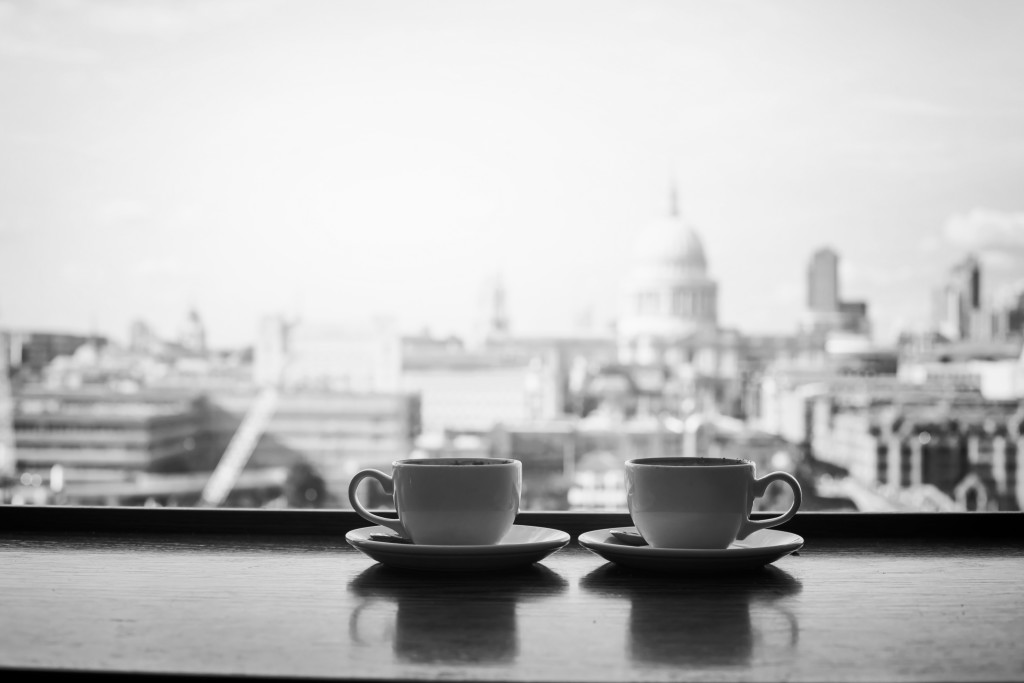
(699, 502)
(448, 501)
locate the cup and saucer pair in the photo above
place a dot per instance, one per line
(461, 512)
(626, 547)
(520, 547)
(695, 517)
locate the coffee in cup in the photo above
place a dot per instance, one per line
(700, 503)
(448, 501)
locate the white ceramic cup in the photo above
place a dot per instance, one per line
(700, 503)
(448, 501)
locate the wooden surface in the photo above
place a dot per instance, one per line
(311, 606)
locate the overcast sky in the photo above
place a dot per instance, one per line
(336, 160)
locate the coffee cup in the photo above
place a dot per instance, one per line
(447, 501)
(700, 503)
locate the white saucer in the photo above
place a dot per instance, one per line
(758, 549)
(522, 546)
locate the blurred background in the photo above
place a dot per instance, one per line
(250, 247)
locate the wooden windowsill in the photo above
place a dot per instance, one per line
(237, 593)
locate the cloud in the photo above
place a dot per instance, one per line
(986, 230)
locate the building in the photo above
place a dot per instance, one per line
(497, 378)
(759, 354)
(491, 322)
(193, 333)
(30, 352)
(90, 430)
(473, 390)
(669, 316)
(336, 433)
(888, 444)
(827, 312)
(823, 282)
(8, 462)
(72, 446)
(926, 451)
(356, 357)
(143, 340)
(994, 368)
(957, 308)
(1008, 316)
(580, 463)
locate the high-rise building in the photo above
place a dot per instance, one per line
(958, 312)
(826, 311)
(1009, 315)
(823, 282)
(967, 276)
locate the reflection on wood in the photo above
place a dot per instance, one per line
(705, 622)
(312, 606)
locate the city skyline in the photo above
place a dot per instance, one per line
(339, 160)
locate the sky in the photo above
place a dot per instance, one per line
(336, 160)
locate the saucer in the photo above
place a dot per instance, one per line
(756, 550)
(522, 546)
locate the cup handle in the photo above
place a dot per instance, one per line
(760, 486)
(388, 484)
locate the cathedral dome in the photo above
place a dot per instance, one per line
(671, 242)
(667, 295)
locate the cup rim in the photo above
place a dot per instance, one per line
(454, 462)
(690, 462)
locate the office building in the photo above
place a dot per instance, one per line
(827, 312)
(78, 446)
(337, 433)
(957, 309)
(823, 282)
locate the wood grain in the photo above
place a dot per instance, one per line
(311, 606)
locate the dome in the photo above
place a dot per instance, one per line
(671, 242)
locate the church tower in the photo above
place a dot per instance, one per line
(491, 322)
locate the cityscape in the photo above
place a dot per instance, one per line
(931, 422)
(248, 249)
(258, 255)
